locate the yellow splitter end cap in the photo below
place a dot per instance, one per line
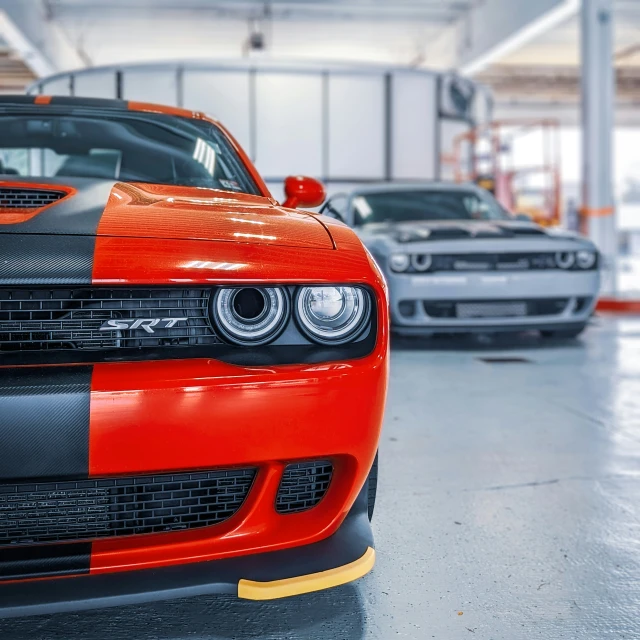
(251, 590)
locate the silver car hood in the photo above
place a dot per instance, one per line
(462, 236)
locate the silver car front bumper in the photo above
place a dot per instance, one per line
(580, 290)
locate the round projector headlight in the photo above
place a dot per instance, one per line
(399, 262)
(586, 259)
(250, 315)
(421, 262)
(565, 259)
(332, 315)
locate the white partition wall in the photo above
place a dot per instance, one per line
(225, 94)
(60, 86)
(100, 84)
(288, 125)
(343, 124)
(414, 121)
(161, 86)
(356, 127)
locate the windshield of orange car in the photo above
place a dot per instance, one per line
(426, 205)
(129, 147)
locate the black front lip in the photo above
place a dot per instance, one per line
(57, 595)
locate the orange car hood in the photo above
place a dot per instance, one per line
(109, 208)
(153, 211)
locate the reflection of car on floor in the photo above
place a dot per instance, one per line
(178, 361)
(456, 261)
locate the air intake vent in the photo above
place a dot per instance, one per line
(18, 198)
(303, 485)
(64, 511)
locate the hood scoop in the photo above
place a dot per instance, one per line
(12, 198)
(19, 203)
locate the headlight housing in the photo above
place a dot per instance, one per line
(565, 259)
(250, 315)
(421, 262)
(399, 262)
(332, 314)
(586, 259)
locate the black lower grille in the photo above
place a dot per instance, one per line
(98, 318)
(492, 308)
(303, 485)
(63, 511)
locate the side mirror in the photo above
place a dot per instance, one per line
(523, 217)
(301, 191)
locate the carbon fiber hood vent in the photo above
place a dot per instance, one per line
(12, 198)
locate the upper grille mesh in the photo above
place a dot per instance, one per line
(50, 319)
(19, 198)
(62, 511)
(493, 262)
(303, 485)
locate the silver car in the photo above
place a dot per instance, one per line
(456, 261)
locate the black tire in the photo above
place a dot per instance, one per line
(564, 334)
(372, 487)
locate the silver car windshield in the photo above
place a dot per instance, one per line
(426, 205)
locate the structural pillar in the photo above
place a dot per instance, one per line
(598, 110)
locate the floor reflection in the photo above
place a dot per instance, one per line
(337, 613)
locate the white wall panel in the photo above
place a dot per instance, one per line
(150, 85)
(58, 87)
(325, 121)
(223, 95)
(413, 126)
(289, 124)
(99, 84)
(356, 126)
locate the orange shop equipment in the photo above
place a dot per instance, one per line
(486, 155)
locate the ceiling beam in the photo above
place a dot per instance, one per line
(436, 11)
(552, 83)
(21, 46)
(492, 29)
(30, 32)
(499, 27)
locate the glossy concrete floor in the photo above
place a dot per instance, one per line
(509, 508)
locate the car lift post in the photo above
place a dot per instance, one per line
(598, 104)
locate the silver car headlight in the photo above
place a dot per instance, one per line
(332, 314)
(399, 262)
(421, 262)
(250, 315)
(585, 259)
(565, 259)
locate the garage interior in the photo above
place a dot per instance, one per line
(509, 463)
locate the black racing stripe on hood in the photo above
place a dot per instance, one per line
(57, 246)
(44, 424)
(420, 231)
(79, 214)
(46, 260)
(45, 561)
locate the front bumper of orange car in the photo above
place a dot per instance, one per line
(157, 417)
